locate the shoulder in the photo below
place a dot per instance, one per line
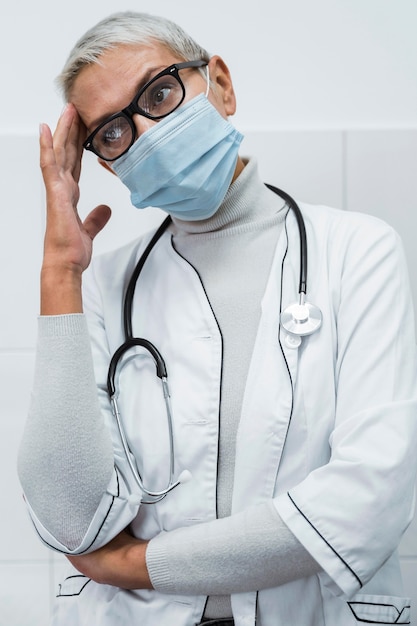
(325, 216)
(354, 246)
(343, 229)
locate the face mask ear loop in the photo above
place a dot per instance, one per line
(208, 81)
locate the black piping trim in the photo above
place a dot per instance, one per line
(367, 621)
(221, 372)
(108, 512)
(71, 595)
(326, 542)
(279, 340)
(204, 610)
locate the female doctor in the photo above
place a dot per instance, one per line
(237, 463)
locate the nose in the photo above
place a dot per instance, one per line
(142, 124)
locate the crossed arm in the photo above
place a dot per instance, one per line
(120, 563)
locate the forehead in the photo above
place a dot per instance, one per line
(105, 87)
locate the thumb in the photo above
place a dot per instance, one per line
(97, 219)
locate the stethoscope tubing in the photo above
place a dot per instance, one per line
(130, 291)
(296, 326)
(302, 284)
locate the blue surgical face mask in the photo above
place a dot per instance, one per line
(184, 164)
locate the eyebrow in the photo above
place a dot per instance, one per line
(149, 74)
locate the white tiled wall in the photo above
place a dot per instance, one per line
(371, 171)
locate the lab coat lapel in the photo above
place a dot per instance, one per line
(268, 401)
(289, 281)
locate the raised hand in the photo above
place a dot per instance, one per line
(68, 240)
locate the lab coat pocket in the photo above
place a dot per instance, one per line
(72, 585)
(372, 609)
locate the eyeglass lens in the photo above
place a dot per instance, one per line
(161, 97)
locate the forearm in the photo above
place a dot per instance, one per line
(249, 551)
(65, 457)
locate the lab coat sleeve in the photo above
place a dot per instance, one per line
(351, 512)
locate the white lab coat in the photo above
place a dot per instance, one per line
(328, 429)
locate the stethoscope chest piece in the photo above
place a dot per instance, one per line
(301, 318)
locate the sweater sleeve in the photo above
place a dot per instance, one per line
(249, 551)
(65, 459)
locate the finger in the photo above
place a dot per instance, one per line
(56, 185)
(47, 158)
(61, 134)
(74, 144)
(82, 134)
(68, 141)
(96, 220)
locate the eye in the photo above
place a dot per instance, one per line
(114, 132)
(113, 138)
(161, 97)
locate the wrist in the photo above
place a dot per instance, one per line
(61, 290)
(136, 563)
(125, 566)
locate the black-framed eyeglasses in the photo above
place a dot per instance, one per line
(155, 100)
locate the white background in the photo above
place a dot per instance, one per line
(327, 100)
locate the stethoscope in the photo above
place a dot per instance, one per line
(299, 319)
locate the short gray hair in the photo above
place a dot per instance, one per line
(126, 28)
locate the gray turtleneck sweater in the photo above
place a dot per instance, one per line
(232, 252)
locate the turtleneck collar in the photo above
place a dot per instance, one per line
(247, 200)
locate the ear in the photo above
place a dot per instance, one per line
(106, 166)
(221, 85)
